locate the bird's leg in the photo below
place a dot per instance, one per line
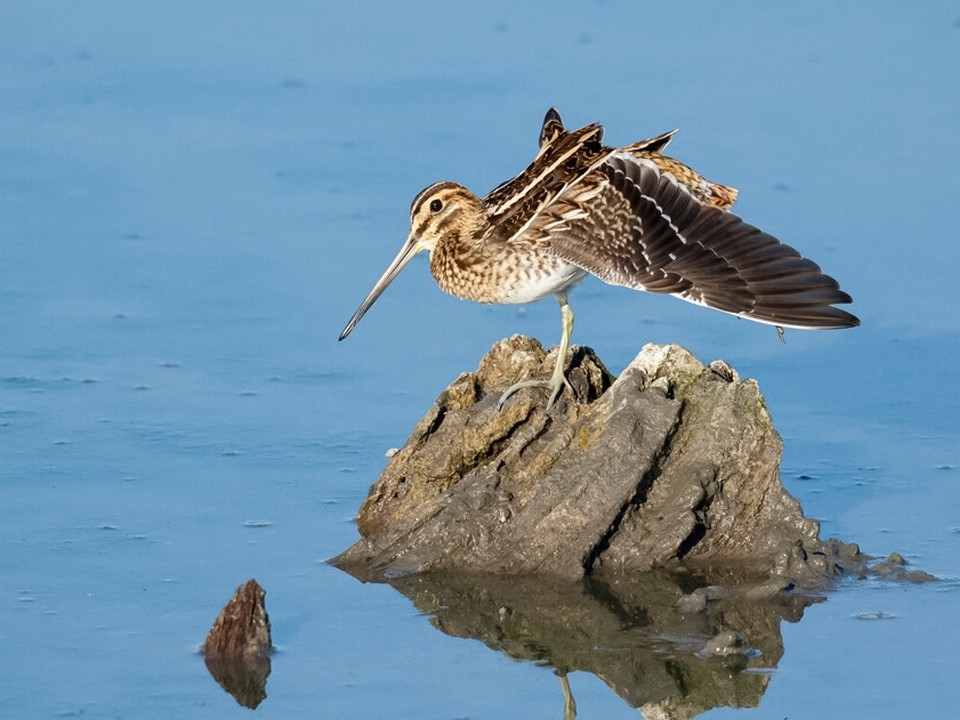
(569, 704)
(558, 379)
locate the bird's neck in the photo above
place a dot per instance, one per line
(457, 263)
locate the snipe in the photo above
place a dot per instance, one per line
(631, 216)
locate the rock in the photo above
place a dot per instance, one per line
(657, 492)
(895, 568)
(237, 648)
(672, 461)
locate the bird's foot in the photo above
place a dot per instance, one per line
(555, 385)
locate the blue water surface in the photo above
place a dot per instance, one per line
(195, 196)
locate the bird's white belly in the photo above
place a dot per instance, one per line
(540, 283)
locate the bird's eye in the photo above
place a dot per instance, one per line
(436, 206)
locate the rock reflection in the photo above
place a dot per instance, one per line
(244, 678)
(671, 644)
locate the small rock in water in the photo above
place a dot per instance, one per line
(238, 646)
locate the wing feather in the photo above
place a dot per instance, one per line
(642, 228)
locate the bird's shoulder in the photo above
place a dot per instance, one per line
(561, 164)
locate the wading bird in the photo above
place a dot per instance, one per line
(632, 216)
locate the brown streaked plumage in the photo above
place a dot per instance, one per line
(631, 216)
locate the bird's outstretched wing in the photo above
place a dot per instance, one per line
(632, 224)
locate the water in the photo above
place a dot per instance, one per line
(193, 199)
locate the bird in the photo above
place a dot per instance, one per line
(631, 216)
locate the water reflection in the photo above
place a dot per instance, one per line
(671, 644)
(244, 678)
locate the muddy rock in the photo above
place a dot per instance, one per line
(673, 461)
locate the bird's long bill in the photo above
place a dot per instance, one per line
(410, 248)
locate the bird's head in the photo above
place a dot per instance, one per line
(443, 211)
